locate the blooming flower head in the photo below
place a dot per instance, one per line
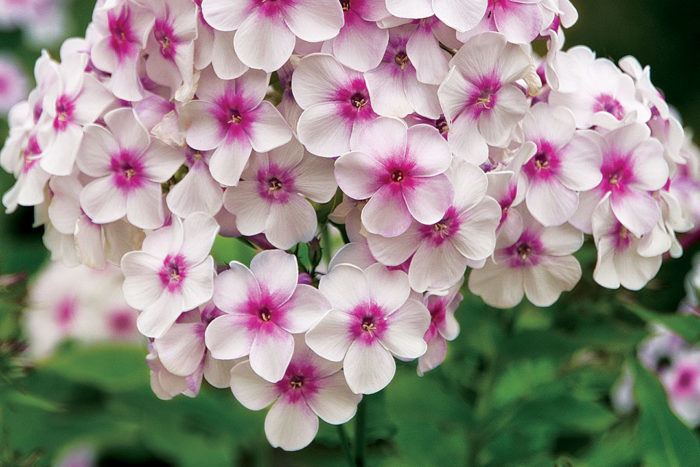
(172, 272)
(443, 326)
(311, 387)
(401, 171)
(263, 306)
(371, 321)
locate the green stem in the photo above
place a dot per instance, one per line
(360, 424)
(345, 443)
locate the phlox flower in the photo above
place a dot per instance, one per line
(520, 21)
(682, 382)
(29, 189)
(214, 48)
(393, 86)
(172, 272)
(182, 354)
(231, 118)
(659, 351)
(170, 45)
(539, 265)
(266, 31)
(263, 306)
(197, 191)
(13, 84)
(336, 104)
(121, 33)
(623, 257)
(75, 100)
(310, 388)
(372, 320)
(361, 43)
(443, 326)
(481, 102)
(461, 15)
(271, 198)
(401, 171)
(129, 167)
(565, 163)
(440, 252)
(633, 166)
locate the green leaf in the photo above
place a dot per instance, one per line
(686, 326)
(663, 439)
(227, 249)
(112, 367)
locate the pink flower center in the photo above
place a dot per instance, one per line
(483, 98)
(525, 252)
(685, 382)
(64, 112)
(275, 184)
(65, 312)
(164, 34)
(368, 323)
(439, 232)
(173, 272)
(607, 103)
(623, 238)
(264, 314)
(29, 154)
(123, 37)
(127, 169)
(545, 163)
(122, 323)
(617, 173)
(232, 112)
(354, 101)
(300, 379)
(401, 59)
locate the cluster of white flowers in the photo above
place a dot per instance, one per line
(453, 146)
(674, 360)
(76, 303)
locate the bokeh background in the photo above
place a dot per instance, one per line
(525, 386)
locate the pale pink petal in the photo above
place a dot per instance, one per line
(345, 287)
(144, 206)
(204, 131)
(330, 337)
(436, 267)
(180, 350)
(268, 129)
(277, 273)
(521, 22)
(224, 60)
(127, 129)
(562, 240)
(317, 79)
(264, 42)
(386, 212)
(165, 241)
(218, 372)
(250, 209)
(291, 223)
(225, 15)
(323, 130)
(304, 309)
(334, 402)
(427, 199)
(92, 100)
(360, 44)
(358, 175)
(271, 352)
(227, 337)
(198, 191)
(410, 8)
(579, 164)
(387, 289)
(156, 319)
(461, 15)
(59, 156)
(314, 179)
(368, 368)
(198, 286)
(634, 270)
(497, 125)
(290, 426)
(497, 284)
(639, 212)
(650, 168)
(430, 61)
(421, 97)
(314, 20)
(405, 330)
(95, 150)
(162, 161)
(386, 91)
(433, 356)
(453, 94)
(253, 392)
(233, 288)
(429, 150)
(103, 201)
(200, 230)
(142, 286)
(466, 142)
(547, 280)
(550, 202)
(228, 161)
(394, 251)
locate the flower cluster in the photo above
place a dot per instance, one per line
(76, 303)
(675, 362)
(430, 129)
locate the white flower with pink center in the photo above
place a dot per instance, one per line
(170, 46)
(372, 321)
(29, 190)
(197, 191)
(121, 34)
(565, 163)
(336, 104)
(393, 86)
(182, 352)
(263, 306)
(266, 31)
(461, 15)
(625, 259)
(595, 90)
(74, 101)
(272, 197)
(440, 252)
(129, 167)
(361, 43)
(633, 167)
(232, 119)
(520, 21)
(402, 172)
(443, 326)
(310, 388)
(172, 272)
(13, 84)
(539, 265)
(481, 102)
(682, 383)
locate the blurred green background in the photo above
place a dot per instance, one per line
(526, 386)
